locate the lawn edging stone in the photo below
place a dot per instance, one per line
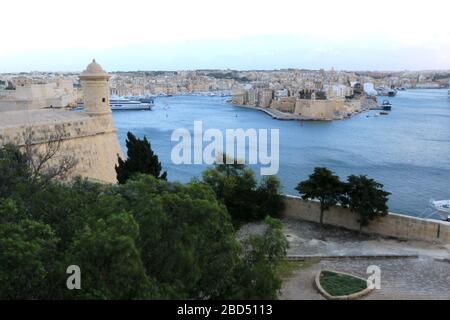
(353, 296)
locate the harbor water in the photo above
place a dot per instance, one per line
(408, 150)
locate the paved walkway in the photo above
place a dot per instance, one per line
(401, 279)
(408, 278)
(425, 277)
(307, 238)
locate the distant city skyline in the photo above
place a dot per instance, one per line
(240, 35)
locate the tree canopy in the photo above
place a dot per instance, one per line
(235, 185)
(144, 239)
(140, 159)
(366, 197)
(322, 185)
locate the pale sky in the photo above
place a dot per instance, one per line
(51, 35)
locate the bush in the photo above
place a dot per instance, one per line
(236, 187)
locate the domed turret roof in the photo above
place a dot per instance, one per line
(94, 70)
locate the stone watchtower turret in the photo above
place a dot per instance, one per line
(95, 83)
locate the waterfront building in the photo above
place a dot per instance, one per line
(28, 95)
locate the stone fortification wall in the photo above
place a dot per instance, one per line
(392, 225)
(92, 141)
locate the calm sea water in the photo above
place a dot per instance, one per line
(408, 150)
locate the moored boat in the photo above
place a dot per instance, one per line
(119, 103)
(386, 105)
(383, 91)
(443, 208)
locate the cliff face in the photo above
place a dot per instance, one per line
(91, 141)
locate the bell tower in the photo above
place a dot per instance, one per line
(95, 84)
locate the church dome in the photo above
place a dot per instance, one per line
(94, 70)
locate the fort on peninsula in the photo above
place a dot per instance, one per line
(320, 102)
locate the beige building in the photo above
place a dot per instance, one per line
(29, 95)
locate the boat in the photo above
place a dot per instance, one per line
(119, 103)
(147, 100)
(383, 91)
(443, 208)
(386, 105)
(384, 113)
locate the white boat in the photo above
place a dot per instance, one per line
(443, 208)
(119, 103)
(384, 91)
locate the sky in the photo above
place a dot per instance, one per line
(49, 35)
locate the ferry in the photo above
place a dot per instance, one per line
(443, 208)
(119, 103)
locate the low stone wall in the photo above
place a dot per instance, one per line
(392, 225)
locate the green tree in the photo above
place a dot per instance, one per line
(235, 185)
(147, 238)
(140, 159)
(8, 211)
(256, 274)
(324, 186)
(27, 258)
(67, 207)
(14, 170)
(269, 200)
(186, 237)
(367, 198)
(109, 260)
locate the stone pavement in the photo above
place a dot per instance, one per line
(422, 278)
(307, 238)
(425, 277)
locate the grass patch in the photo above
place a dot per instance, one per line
(340, 284)
(286, 268)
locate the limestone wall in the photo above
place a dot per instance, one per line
(318, 109)
(34, 96)
(393, 225)
(13, 105)
(286, 104)
(92, 141)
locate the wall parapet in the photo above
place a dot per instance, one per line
(393, 225)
